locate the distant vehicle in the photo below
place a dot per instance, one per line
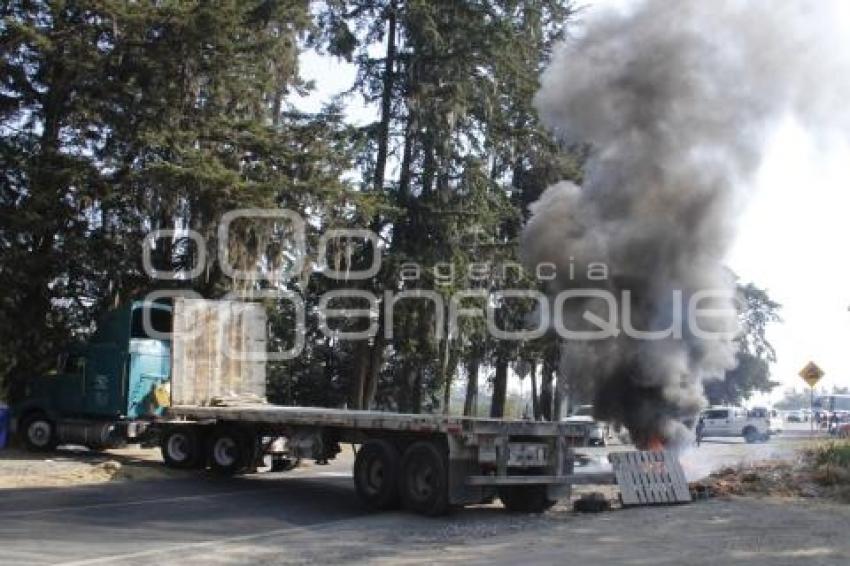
(775, 422)
(597, 431)
(733, 422)
(795, 417)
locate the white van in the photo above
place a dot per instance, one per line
(734, 421)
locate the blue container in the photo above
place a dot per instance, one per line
(4, 425)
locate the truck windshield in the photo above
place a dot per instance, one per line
(160, 321)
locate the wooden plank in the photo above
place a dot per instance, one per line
(649, 478)
(211, 348)
(679, 481)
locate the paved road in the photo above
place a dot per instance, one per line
(312, 515)
(135, 520)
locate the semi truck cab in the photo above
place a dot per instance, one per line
(103, 392)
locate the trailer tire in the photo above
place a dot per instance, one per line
(376, 475)
(525, 498)
(424, 479)
(38, 433)
(751, 435)
(181, 447)
(231, 450)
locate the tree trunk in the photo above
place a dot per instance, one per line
(446, 375)
(376, 363)
(535, 402)
(546, 391)
(386, 100)
(560, 398)
(500, 388)
(359, 377)
(371, 356)
(470, 403)
(416, 394)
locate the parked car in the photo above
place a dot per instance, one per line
(774, 419)
(795, 417)
(734, 422)
(598, 432)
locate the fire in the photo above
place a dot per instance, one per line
(655, 444)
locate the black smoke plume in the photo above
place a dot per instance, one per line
(677, 99)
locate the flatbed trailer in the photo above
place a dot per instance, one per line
(218, 419)
(426, 463)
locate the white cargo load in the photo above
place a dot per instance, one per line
(218, 352)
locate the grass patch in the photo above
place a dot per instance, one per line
(830, 462)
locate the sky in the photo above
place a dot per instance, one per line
(791, 236)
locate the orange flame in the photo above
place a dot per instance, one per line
(655, 444)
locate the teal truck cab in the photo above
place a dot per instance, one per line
(104, 392)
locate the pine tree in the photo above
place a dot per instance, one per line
(120, 118)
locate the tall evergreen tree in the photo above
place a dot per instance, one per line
(120, 118)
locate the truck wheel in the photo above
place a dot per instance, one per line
(424, 479)
(181, 447)
(751, 435)
(230, 450)
(376, 475)
(525, 498)
(39, 433)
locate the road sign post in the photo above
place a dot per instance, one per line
(811, 374)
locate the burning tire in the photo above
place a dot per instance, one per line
(525, 498)
(376, 475)
(424, 479)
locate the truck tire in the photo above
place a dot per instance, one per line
(525, 498)
(181, 447)
(376, 475)
(231, 450)
(38, 433)
(751, 435)
(424, 479)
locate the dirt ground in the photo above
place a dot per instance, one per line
(71, 466)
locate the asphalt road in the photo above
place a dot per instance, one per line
(156, 520)
(311, 515)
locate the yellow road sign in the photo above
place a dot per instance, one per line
(811, 374)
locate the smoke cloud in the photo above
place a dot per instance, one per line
(677, 100)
